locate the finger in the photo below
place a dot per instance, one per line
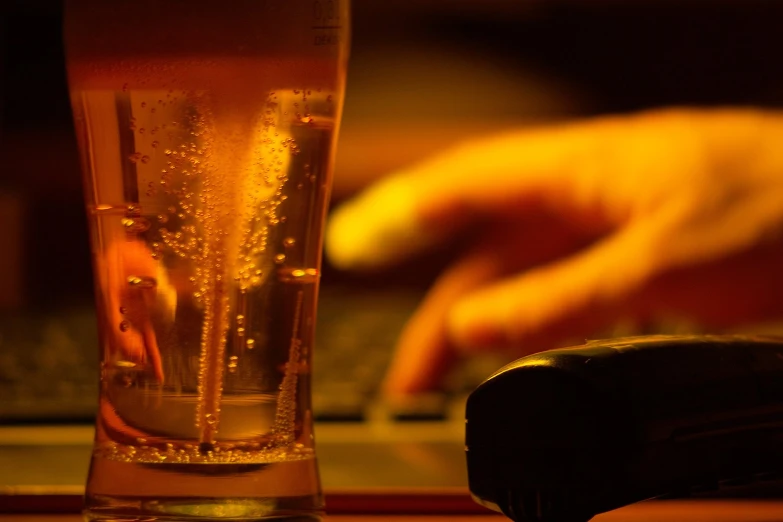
(589, 167)
(131, 346)
(379, 228)
(152, 352)
(423, 352)
(412, 210)
(739, 289)
(111, 422)
(736, 292)
(583, 288)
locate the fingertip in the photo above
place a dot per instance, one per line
(421, 359)
(395, 387)
(410, 376)
(377, 228)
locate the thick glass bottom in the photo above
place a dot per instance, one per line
(176, 492)
(290, 509)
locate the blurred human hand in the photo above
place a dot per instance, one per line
(671, 212)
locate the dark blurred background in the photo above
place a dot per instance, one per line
(424, 74)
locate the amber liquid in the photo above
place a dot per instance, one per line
(207, 180)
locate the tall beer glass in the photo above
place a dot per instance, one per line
(207, 130)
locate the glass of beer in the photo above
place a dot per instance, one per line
(207, 133)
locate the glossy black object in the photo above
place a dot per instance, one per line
(566, 434)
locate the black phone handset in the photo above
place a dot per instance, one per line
(566, 434)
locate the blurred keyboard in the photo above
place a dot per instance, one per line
(49, 370)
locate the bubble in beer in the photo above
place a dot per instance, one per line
(123, 310)
(124, 326)
(154, 144)
(240, 319)
(135, 225)
(136, 156)
(143, 104)
(143, 282)
(280, 259)
(163, 218)
(145, 159)
(289, 241)
(142, 130)
(250, 343)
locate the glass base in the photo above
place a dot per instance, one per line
(172, 492)
(238, 510)
(96, 517)
(100, 517)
